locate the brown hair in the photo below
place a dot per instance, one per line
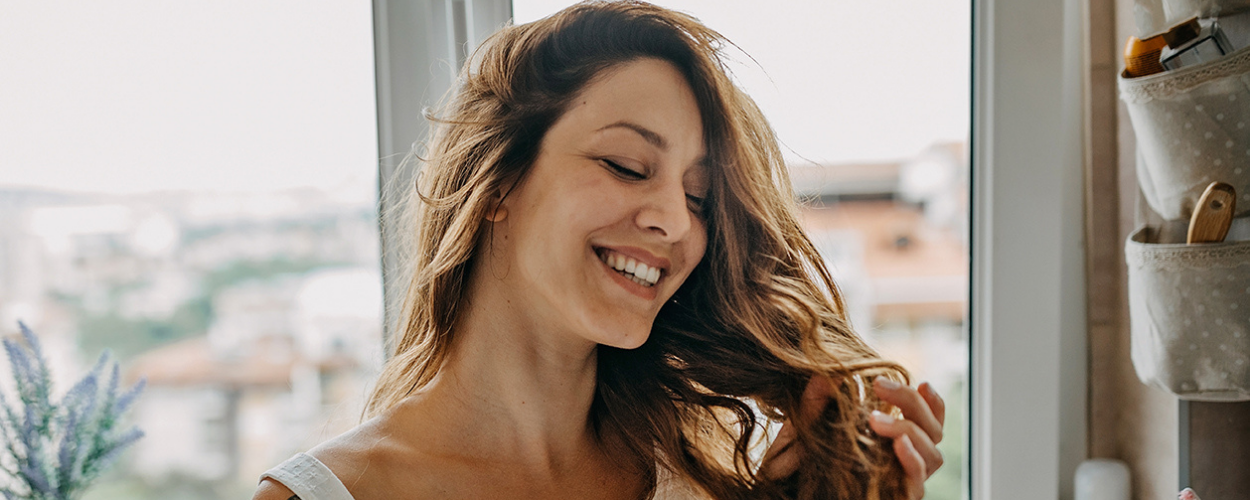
(758, 318)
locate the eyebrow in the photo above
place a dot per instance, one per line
(647, 134)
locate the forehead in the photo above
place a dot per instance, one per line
(647, 100)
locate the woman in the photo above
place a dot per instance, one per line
(612, 295)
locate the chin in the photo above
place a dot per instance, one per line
(629, 343)
(632, 338)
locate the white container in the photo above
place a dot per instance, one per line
(1102, 479)
(1193, 128)
(1189, 307)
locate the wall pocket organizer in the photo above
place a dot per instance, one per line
(1193, 128)
(1189, 307)
(1189, 304)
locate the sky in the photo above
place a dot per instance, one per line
(843, 81)
(132, 96)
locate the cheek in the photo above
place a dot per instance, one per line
(696, 247)
(593, 202)
(700, 244)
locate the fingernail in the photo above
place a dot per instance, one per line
(886, 383)
(882, 418)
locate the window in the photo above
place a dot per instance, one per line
(111, 115)
(193, 185)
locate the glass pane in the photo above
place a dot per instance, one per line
(193, 185)
(871, 103)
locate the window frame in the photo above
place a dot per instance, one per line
(1027, 311)
(414, 40)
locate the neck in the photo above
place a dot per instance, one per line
(510, 391)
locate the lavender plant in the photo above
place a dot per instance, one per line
(55, 450)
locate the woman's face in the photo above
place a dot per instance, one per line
(606, 225)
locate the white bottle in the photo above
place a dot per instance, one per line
(1102, 479)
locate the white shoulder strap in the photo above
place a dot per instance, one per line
(309, 478)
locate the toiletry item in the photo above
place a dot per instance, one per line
(1236, 28)
(1193, 42)
(1102, 479)
(1141, 57)
(1213, 215)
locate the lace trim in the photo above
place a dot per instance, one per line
(1168, 84)
(1178, 256)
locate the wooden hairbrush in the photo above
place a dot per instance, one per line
(1213, 215)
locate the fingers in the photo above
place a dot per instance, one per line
(914, 407)
(783, 456)
(887, 426)
(913, 466)
(815, 397)
(936, 403)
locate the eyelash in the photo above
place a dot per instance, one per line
(695, 202)
(624, 172)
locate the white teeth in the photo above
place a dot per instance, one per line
(637, 272)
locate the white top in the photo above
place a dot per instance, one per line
(308, 478)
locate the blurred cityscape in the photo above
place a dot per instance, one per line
(256, 319)
(895, 236)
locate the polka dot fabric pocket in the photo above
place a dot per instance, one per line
(1189, 307)
(1193, 128)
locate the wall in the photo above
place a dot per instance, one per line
(1168, 445)
(1128, 420)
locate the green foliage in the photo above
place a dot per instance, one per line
(128, 337)
(173, 487)
(240, 271)
(132, 336)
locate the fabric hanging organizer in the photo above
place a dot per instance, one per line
(1192, 127)
(1189, 305)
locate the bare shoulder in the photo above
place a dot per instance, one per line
(368, 459)
(357, 457)
(350, 454)
(273, 490)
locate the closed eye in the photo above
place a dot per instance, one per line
(623, 171)
(696, 203)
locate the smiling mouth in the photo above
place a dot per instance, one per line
(630, 268)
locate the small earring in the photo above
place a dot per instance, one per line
(497, 215)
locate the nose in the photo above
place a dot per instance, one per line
(664, 212)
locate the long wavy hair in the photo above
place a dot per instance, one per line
(734, 349)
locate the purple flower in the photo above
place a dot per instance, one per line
(59, 448)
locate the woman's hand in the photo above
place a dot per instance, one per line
(915, 435)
